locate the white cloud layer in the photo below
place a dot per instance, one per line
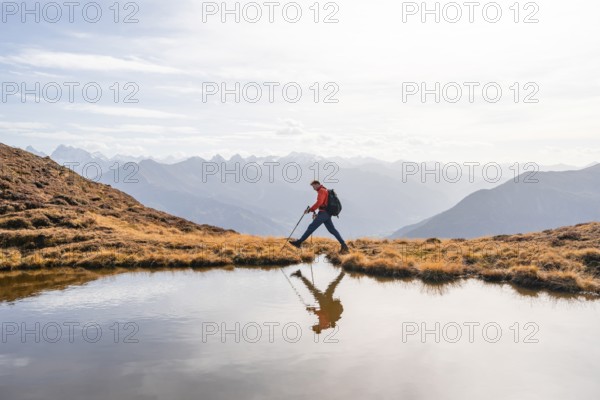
(370, 55)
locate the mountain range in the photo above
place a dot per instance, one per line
(377, 196)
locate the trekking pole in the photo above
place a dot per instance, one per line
(286, 241)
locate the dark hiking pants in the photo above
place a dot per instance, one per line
(322, 218)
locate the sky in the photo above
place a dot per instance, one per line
(367, 73)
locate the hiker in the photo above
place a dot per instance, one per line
(330, 309)
(322, 217)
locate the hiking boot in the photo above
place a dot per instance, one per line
(297, 274)
(344, 250)
(296, 243)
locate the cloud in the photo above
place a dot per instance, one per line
(181, 89)
(58, 136)
(139, 128)
(291, 128)
(87, 62)
(22, 126)
(132, 112)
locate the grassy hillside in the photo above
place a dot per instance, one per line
(52, 217)
(565, 259)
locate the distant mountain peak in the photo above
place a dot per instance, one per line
(545, 200)
(236, 158)
(32, 150)
(68, 152)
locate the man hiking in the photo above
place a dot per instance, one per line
(322, 217)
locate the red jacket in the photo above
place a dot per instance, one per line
(322, 197)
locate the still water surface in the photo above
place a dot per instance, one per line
(261, 333)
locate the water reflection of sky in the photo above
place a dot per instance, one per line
(366, 355)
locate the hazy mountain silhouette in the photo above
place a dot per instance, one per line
(557, 199)
(158, 186)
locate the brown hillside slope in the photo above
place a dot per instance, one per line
(50, 216)
(29, 182)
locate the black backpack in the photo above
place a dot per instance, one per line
(334, 205)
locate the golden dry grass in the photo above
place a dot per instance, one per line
(112, 243)
(565, 259)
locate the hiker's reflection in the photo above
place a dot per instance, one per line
(330, 309)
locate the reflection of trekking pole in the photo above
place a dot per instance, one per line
(294, 288)
(312, 277)
(286, 241)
